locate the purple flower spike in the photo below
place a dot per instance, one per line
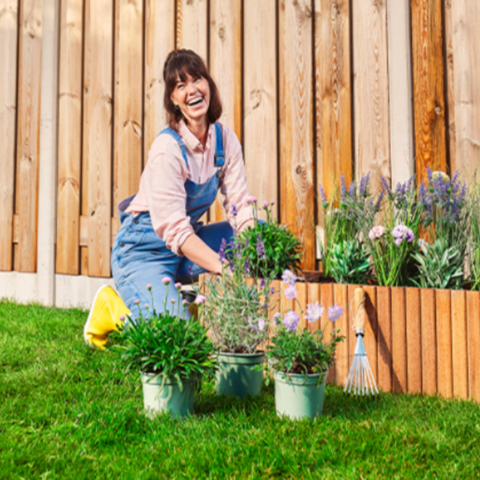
(334, 313)
(262, 284)
(234, 210)
(221, 252)
(291, 292)
(247, 266)
(190, 270)
(291, 321)
(260, 248)
(272, 290)
(324, 197)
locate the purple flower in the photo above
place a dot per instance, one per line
(221, 251)
(149, 287)
(166, 280)
(261, 324)
(266, 204)
(401, 233)
(147, 306)
(136, 301)
(190, 270)
(262, 284)
(291, 292)
(289, 277)
(200, 299)
(314, 312)
(234, 210)
(363, 188)
(376, 232)
(334, 313)
(385, 184)
(232, 266)
(178, 285)
(272, 291)
(184, 302)
(351, 190)
(343, 186)
(250, 200)
(122, 317)
(272, 202)
(247, 266)
(173, 300)
(291, 320)
(260, 248)
(324, 197)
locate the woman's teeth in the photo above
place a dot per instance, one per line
(195, 102)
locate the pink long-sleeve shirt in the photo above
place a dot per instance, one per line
(162, 190)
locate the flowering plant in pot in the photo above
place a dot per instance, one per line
(171, 353)
(300, 359)
(235, 310)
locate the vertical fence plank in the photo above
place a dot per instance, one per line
(466, 66)
(226, 67)
(341, 356)
(400, 88)
(333, 90)
(429, 341)
(69, 137)
(8, 107)
(296, 123)
(97, 128)
(372, 132)
(192, 26)
(128, 105)
(159, 42)
(399, 341)
(428, 86)
(473, 329)
(352, 339)
(414, 340)
(28, 133)
(371, 329)
(326, 293)
(384, 311)
(450, 79)
(302, 297)
(444, 343)
(260, 99)
(313, 295)
(459, 344)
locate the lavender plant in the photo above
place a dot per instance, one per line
(295, 350)
(343, 230)
(474, 247)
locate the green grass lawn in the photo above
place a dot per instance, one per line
(67, 411)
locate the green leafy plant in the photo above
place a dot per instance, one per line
(236, 305)
(350, 262)
(282, 247)
(440, 266)
(295, 350)
(474, 243)
(165, 345)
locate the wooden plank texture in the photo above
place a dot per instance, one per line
(128, 94)
(28, 133)
(97, 128)
(326, 293)
(371, 329)
(372, 132)
(459, 344)
(428, 86)
(296, 123)
(226, 68)
(414, 340)
(444, 343)
(340, 294)
(192, 26)
(159, 42)
(429, 341)
(8, 107)
(300, 306)
(384, 315)
(313, 295)
(260, 100)
(399, 341)
(333, 91)
(473, 329)
(466, 67)
(69, 137)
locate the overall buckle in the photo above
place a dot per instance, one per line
(219, 159)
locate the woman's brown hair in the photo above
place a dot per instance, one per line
(178, 64)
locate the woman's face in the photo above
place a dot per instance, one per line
(192, 97)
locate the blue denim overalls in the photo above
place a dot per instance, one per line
(141, 257)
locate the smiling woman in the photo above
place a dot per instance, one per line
(161, 234)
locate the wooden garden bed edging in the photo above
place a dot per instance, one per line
(417, 340)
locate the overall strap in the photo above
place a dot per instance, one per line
(219, 153)
(177, 137)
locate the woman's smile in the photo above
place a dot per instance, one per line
(192, 97)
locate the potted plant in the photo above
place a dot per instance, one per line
(234, 311)
(300, 359)
(171, 353)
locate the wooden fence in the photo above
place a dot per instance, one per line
(313, 88)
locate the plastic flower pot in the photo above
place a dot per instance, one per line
(299, 396)
(169, 397)
(235, 374)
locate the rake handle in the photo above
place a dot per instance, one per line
(359, 309)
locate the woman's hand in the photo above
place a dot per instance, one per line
(196, 250)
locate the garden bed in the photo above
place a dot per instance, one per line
(418, 340)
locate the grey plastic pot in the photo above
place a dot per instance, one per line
(235, 375)
(157, 399)
(299, 396)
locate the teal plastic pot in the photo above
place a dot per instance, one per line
(299, 396)
(235, 376)
(169, 398)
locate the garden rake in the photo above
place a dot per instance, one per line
(360, 379)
